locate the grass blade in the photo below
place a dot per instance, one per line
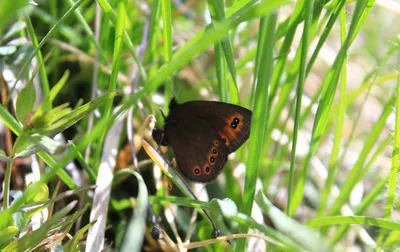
(260, 119)
(309, 5)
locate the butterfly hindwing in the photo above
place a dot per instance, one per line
(199, 150)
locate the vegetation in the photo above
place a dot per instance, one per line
(82, 84)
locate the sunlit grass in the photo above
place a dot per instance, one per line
(321, 78)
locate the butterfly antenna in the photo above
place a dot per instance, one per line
(162, 113)
(179, 93)
(171, 91)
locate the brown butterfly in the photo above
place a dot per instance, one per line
(202, 134)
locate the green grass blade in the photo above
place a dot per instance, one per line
(372, 195)
(106, 7)
(395, 157)
(354, 176)
(167, 37)
(309, 5)
(118, 47)
(260, 118)
(16, 128)
(44, 40)
(135, 233)
(333, 162)
(217, 12)
(325, 104)
(154, 34)
(307, 238)
(294, 21)
(361, 220)
(28, 241)
(220, 67)
(195, 46)
(338, 7)
(90, 34)
(238, 217)
(167, 29)
(43, 72)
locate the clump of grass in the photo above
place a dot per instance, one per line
(320, 165)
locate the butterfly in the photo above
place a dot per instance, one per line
(202, 134)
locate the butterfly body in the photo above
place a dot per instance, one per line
(202, 134)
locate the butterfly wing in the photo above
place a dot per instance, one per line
(199, 150)
(232, 122)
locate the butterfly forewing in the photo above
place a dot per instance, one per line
(230, 121)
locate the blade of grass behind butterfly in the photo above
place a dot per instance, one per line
(290, 81)
(212, 35)
(333, 162)
(362, 220)
(281, 30)
(369, 199)
(391, 192)
(174, 176)
(328, 27)
(325, 104)
(117, 51)
(42, 42)
(370, 80)
(260, 118)
(286, 88)
(366, 85)
(279, 106)
(279, 153)
(294, 21)
(307, 238)
(330, 24)
(135, 233)
(309, 5)
(89, 34)
(43, 74)
(354, 176)
(234, 10)
(395, 155)
(217, 13)
(112, 17)
(167, 37)
(220, 63)
(223, 87)
(154, 33)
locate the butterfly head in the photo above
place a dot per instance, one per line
(172, 103)
(160, 137)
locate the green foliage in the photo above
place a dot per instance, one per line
(320, 77)
(25, 102)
